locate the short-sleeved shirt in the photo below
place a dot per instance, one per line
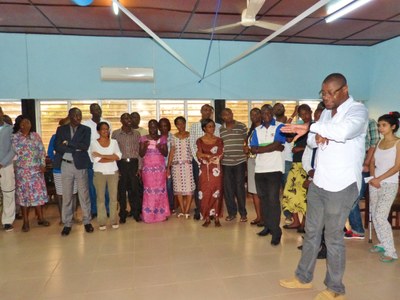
(269, 161)
(233, 139)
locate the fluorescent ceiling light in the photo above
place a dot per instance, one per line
(338, 5)
(115, 7)
(346, 10)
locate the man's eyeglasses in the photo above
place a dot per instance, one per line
(323, 94)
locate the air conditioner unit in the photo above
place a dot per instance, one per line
(127, 74)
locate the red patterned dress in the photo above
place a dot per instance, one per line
(210, 178)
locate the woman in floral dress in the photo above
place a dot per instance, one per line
(209, 152)
(30, 165)
(153, 149)
(180, 165)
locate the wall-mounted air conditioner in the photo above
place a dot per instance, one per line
(127, 74)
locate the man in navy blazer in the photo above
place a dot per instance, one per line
(71, 144)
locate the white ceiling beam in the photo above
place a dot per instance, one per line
(156, 38)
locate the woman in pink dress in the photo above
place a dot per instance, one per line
(209, 152)
(153, 149)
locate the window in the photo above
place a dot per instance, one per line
(84, 106)
(240, 110)
(171, 109)
(51, 112)
(112, 111)
(193, 113)
(11, 109)
(147, 110)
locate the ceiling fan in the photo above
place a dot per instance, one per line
(248, 18)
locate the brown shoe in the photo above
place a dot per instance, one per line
(328, 295)
(294, 284)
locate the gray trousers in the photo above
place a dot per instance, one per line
(68, 175)
(329, 210)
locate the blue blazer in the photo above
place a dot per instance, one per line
(78, 146)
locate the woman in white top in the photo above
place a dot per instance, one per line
(384, 168)
(104, 153)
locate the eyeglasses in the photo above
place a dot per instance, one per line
(323, 94)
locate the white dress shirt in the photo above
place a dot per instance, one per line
(339, 163)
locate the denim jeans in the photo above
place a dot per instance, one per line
(329, 209)
(234, 179)
(355, 215)
(268, 185)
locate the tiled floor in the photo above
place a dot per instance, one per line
(177, 259)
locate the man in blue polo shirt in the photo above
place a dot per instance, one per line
(267, 144)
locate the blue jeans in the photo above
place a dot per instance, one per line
(329, 209)
(355, 215)
(93, 196)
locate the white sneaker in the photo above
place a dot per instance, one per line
(115, 226)
(102, 227)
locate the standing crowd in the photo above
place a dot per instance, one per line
(315, 171)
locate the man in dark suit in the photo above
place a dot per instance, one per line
(71, 144)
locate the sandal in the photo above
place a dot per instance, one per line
(230, 218)
(243, 219)
(255, 222)
(217, 223)
(387, 259)
(206, 223)
(44, 223)
(376, 249)
(25, 228)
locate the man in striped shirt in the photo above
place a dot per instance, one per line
(233, 133)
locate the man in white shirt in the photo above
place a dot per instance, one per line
(96, 112)
(340, 138)
(196, 132)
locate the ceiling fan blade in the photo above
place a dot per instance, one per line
(253, 7)
(223, 27)
(267, 25)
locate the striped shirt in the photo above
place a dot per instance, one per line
(128, 143)
(233, 144)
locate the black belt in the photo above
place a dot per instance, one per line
(67, 161)
(128, 159)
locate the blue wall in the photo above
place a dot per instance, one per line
(68, 67)
(385, 78)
